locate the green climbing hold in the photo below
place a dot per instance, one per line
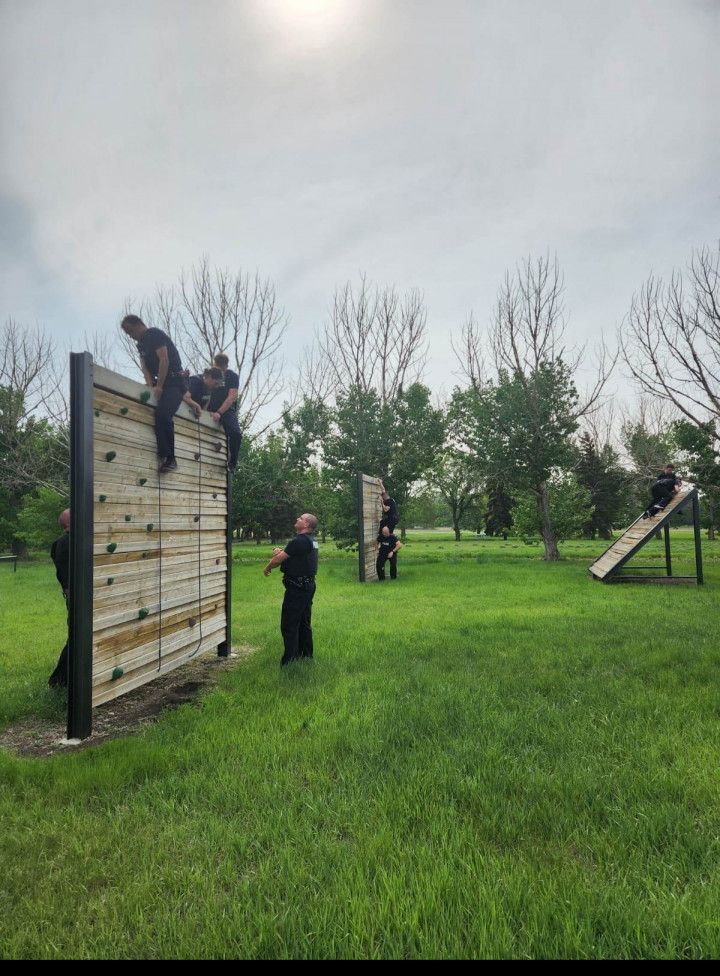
(102, 498)
(144, 555)
(112, 547)
(150, 526)
(97, 413)
(142, 481)
(145, 396)
(111, 579)
(143, 613)
(124, 410)
(117, 673)
(110, 456)
(128, 518)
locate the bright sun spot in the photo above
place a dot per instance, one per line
(316, 20)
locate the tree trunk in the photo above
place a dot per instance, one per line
(456, 527)
(711, 533)
(547, 532)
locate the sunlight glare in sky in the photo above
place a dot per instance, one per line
(308, 21)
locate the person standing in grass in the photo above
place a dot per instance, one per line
(163, 372)
(60, 555)
(299, 563)
(389, 546)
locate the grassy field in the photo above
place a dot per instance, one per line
(491, 757)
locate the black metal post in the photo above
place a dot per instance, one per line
(80, 601)
(361, 527)
(225, 646)
(668, 564)
(698, 543)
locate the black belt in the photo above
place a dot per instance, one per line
(299, 580)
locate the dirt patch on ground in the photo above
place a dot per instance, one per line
(126, 715)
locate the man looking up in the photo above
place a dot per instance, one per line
(299, 562)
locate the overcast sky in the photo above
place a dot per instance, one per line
(428, 144)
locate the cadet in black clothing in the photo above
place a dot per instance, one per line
(201, 389)
(163, 372)
(60, 555)
(390, 510)
(299, 562)
(389, 547)
(662, 490)
(224, 409)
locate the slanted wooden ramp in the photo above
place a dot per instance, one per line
(606, 568)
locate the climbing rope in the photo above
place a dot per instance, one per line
(199, 552)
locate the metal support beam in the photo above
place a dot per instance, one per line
(361, 527)
(225, 646)
(698, 544)
(668, 562)
(80, 601)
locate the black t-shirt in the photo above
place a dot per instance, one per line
(664, 476)
(393, 511)
(60, 555)
(231, 382)
(198, 391)
(303, 556)
(387, 544)
(148, 346)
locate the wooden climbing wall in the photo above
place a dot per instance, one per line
(160, 569)
(369, 515)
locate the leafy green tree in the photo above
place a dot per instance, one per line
(569, 503)
(498, 517)
(396, 441)
(455, 476)
(601, 473)
(699, 445)
(37, 521)
(522, 427)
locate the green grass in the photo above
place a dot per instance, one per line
(491, 757)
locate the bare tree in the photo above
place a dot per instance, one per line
(27, 369)
(670, 339)
(374, 340)
(469, 354)
(212, 310)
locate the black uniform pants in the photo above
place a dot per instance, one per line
(172, 395)
(661, 495)
(380, 565)
(60, 674)
(296, 620)
(231, 427)
(389, 521)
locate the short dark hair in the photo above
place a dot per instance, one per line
(669, 465)
(221, 360)
(214, 373)
(131, 320)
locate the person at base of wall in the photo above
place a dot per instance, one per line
(60, 555)
(388, 548)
